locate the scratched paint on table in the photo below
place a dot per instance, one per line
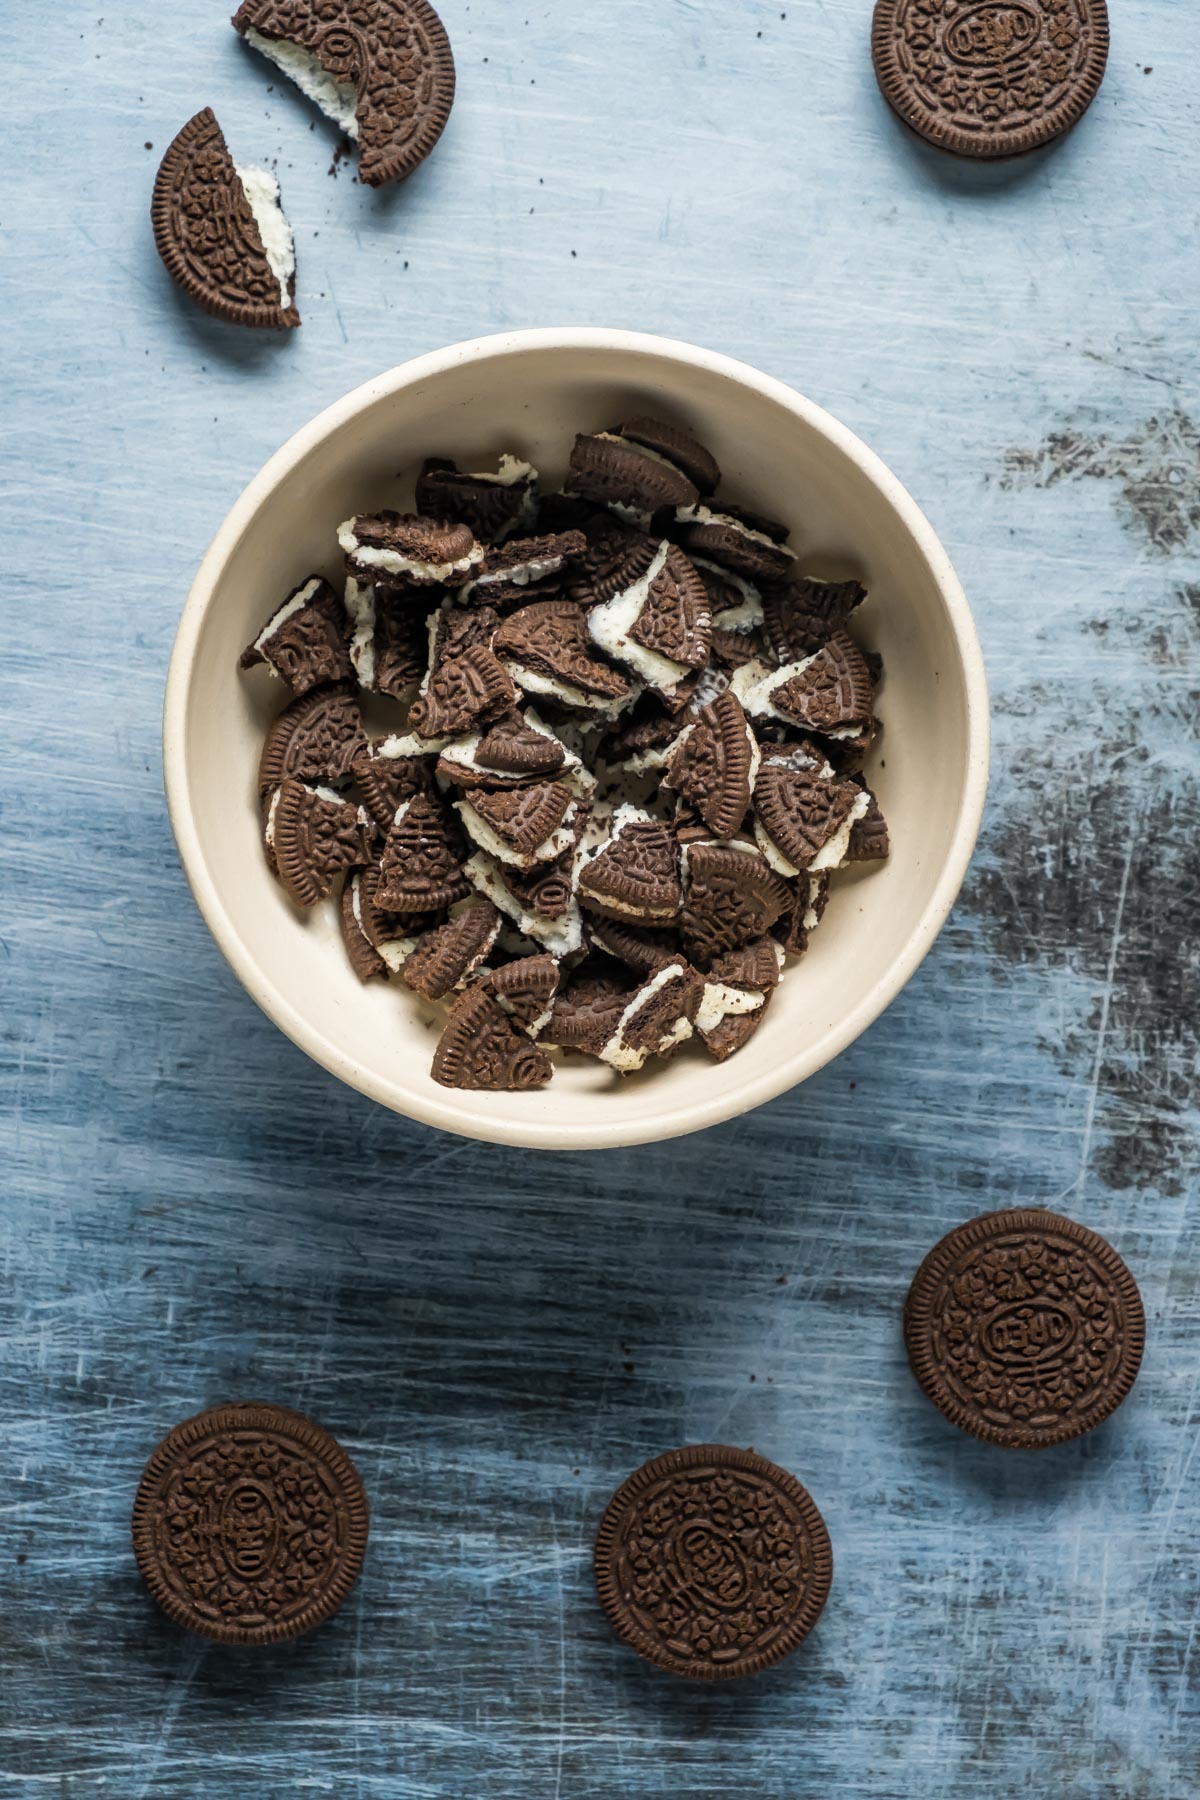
(193, 1212)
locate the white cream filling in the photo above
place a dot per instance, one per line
(755, 757)
(262, 195)
(549, 850)
(812, 918)
(704, 515)
(757, 697)
(630, 515)
(561, 936)
(842, 732)
(833, 854)
(269, 829)
(744, 617)
(523, 575)
(799, 762)
(531, 681)
(512, 471)
(337, 99)
(396, 951)
(398, 749)
(394, 562)
(610, 624)
(746, 680)
(721, 1002)
(614, 437)
(713, 682)
(360, 610)
(287, 611)
(536, 1026)
(771, 851)
(622, 1056)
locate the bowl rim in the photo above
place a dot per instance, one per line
(453, 1113)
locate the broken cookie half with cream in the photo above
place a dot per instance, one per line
(382, 70)
(220, 230)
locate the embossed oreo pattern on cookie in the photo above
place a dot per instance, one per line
(1024, 1329)
(990, 78)
(387, 65)
(713, 1563)
(209, 237)
(250, 1525)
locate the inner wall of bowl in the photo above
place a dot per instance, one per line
(532, 403)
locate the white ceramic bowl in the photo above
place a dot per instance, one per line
(530, 392)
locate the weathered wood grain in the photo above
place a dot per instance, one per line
(193, 1212)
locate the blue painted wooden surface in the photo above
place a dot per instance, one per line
(193, 1212)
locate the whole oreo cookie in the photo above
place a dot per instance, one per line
(1024, 1329)
(383, 70)
(993, 78)
(250, 1525)
(220, 231)
(713, 1563)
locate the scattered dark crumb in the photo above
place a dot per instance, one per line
(853, 1085)
(628, 1368)
(1148, 71)
(781, 1281)
(575, 1471)
(754, 1378)
(574, 253)
(22, 1558)
(153, 1269)
(149, 146)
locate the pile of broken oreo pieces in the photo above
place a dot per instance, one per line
(630, 765)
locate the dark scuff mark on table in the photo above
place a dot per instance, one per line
(1156, 467)
(1095, 868)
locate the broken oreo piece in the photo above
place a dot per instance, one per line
(311, 835)
(804, 822)
(660, 626)
(715, 763)
(869, 838)
(317, 739)
(481, 1048)
(388, 642)
(521, 825)
(221, 232)
(378, 943)
(626, 477)
(494, 506)
(382, 70)
(678, 446)
(737, 992)
(450, 955)
(304, 640)
(727, 538)
(525, 990)
(796, 926)
(731, 895)
(635, 875)
(422, 866)
(464, 692)
(390, 772)
(829, 691)
(506, 574)
(546, 650)
(800, 615)
(406, 549)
